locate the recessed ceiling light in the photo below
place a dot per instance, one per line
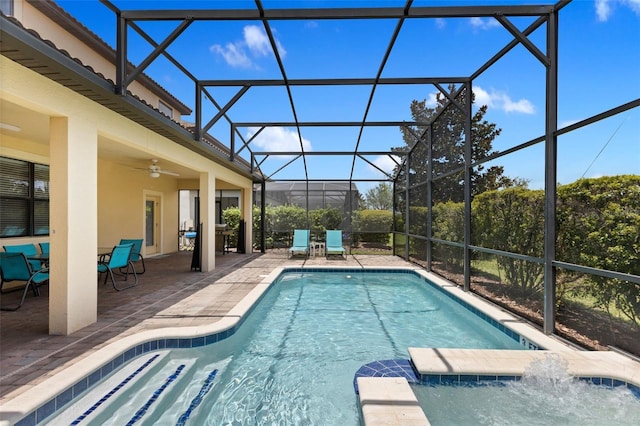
(10, 127)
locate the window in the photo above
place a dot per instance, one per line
(24, 196)
(165, 109)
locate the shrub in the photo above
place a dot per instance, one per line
(323, 219)
(512, 220)
(373, 225)
(599, 226)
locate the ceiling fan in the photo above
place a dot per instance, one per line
(155, 171)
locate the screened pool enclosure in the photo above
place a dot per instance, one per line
(483, 187)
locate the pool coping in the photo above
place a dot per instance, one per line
(42, 399)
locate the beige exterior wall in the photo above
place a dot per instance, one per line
(102, 200)
(49, 30)
(120, 188)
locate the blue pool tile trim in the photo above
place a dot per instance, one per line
(156, 394)
(113, 391)
(481, 380)
(405, 368)
(206, 387)
(349, 270)
(387, 368)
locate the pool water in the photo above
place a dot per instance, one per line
(294, 358)
(546, 395)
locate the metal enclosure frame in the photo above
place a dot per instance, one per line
(544, 15)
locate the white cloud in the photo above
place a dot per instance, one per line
(523, 106)
(441, 23)
(483, 24)
(604, 8)
(502, 101)
(277, 139)
(254, 40)
(233, 54)
(432, 100)
(385, 163)
(634, 5)
(482, 97)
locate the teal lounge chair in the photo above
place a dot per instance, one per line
(120, 257)
(44, 248)
(14, 266)
(300, 242)
(28, 250)
(333, 243)
(135, 254)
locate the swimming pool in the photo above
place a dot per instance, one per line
(293, 360)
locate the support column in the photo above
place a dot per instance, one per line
(263, 216)
(73, 293)
(550, 190)
(247, 215)
(208, 219)
(468, 169)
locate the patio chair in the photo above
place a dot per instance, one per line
(44, 248)
(28, 250)
(333, 243)
(14, 266)
(135, 254)
(120, 257)
(300, 242)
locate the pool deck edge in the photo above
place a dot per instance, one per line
(389, 401)
(489, 362)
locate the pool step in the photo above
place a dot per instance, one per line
(142, 391)
(87, 407)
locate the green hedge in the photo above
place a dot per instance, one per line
(598, 225)
(373, 226)
(512, 220)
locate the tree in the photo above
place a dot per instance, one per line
(379, 197)
(447, 127)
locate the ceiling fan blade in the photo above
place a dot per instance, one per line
(164, 172)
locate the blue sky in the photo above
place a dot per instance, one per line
(599, 68)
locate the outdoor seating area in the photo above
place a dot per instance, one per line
(25, 266)
(329, 244)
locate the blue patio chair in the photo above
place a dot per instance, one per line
(300, 242)
(135, 254)
(14, 266)
(333, 244)
(28, 250)
(44, 248)
(120, 257)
